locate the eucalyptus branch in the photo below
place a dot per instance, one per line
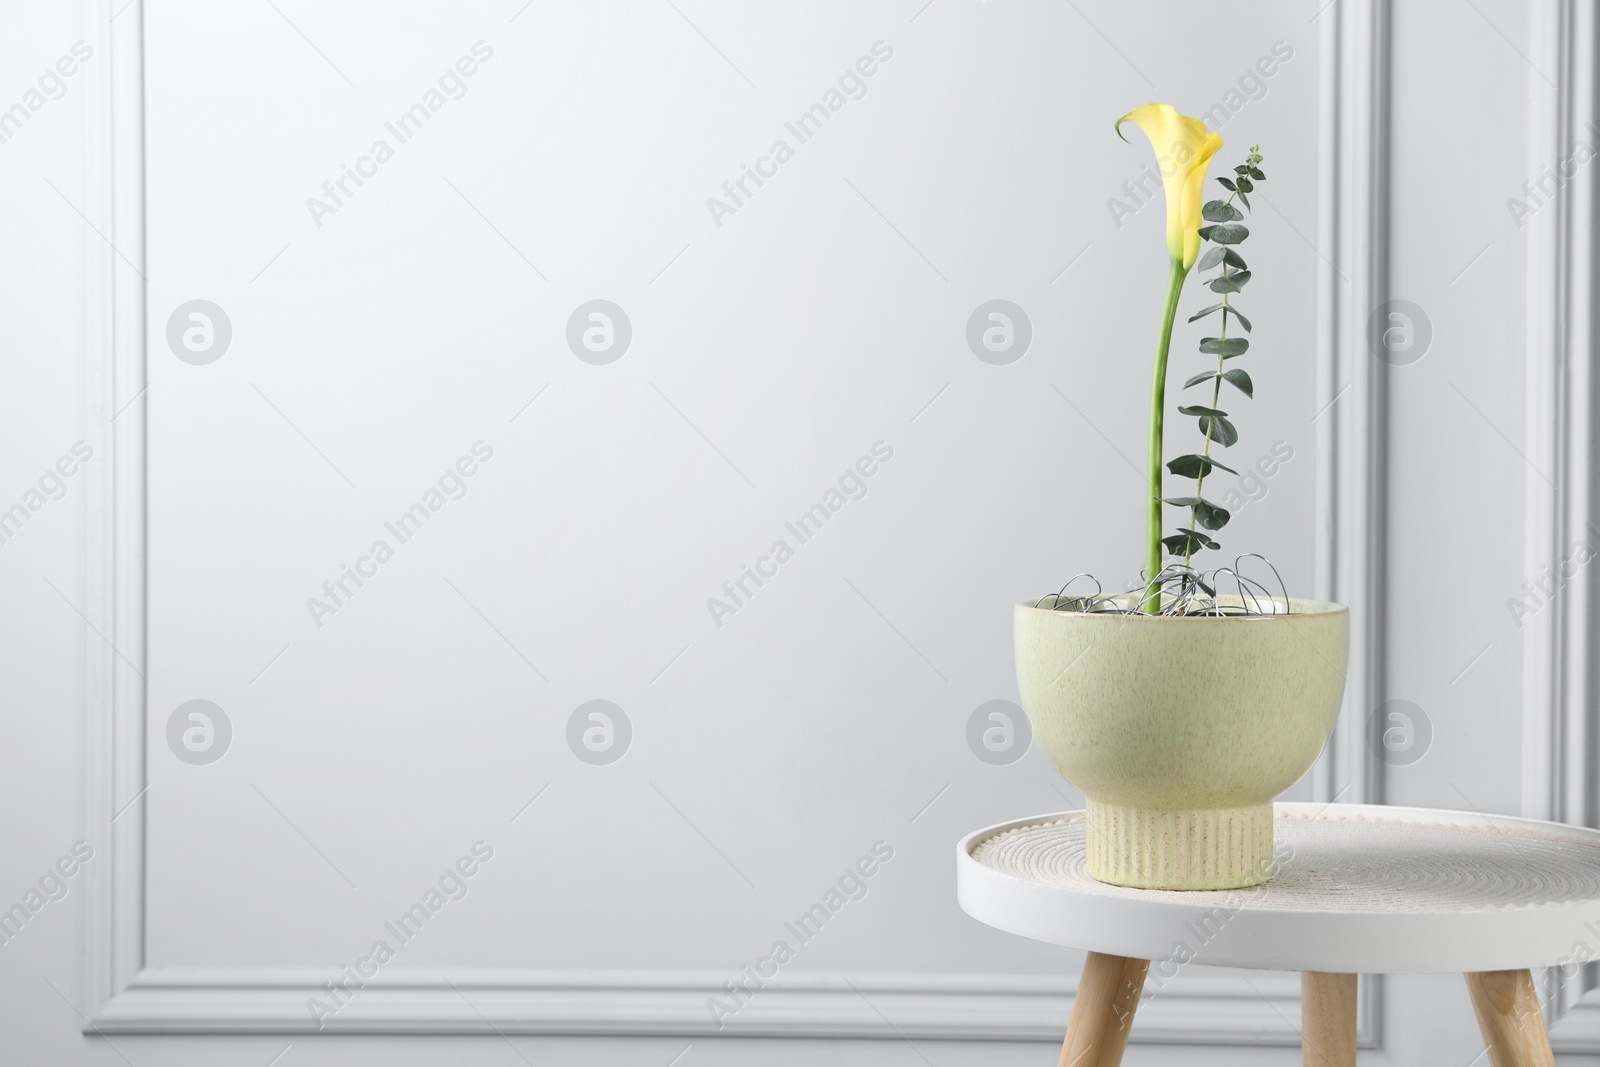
(1215, 425)
(1216, 398)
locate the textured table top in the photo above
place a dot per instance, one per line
(1359, 888)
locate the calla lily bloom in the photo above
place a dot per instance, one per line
(1184, 148)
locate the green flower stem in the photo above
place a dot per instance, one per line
(1158, 401)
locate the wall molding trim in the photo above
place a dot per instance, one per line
(122, 995)
(1212, 1008)
(114, 419)
(1351, 404)
(1561, 768)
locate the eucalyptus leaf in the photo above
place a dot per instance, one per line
(1211, 516)
(1220, 430)
(1226, 184)
(1224, 346)
(1236, 313)
(1245, 186)
(1220, 211)
(1255, 173)
(1196, 409)
(1242, 380)
(1225, 234)
(1229, 283)
(1198, 536)
(1203, 312)
(1187, 544)
(1234, 259)
(1193, 466)
(1198, 378)
(1180, 545)
(1183, 501)
(1212, 257)
(1245, 200)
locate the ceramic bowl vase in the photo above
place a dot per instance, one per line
(1180, 731)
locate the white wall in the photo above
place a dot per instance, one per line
(827, 313)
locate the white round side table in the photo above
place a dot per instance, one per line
(1358, 889)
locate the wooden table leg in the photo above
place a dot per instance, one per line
(1328, 1019)
(1509, 1016)
(1108, 995)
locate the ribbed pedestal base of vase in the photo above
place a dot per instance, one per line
(1229, 848)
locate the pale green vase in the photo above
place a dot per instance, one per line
(1180, 731)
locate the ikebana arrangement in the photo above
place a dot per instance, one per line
(1180, 709)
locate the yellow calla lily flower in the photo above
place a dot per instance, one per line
(1184, 148)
